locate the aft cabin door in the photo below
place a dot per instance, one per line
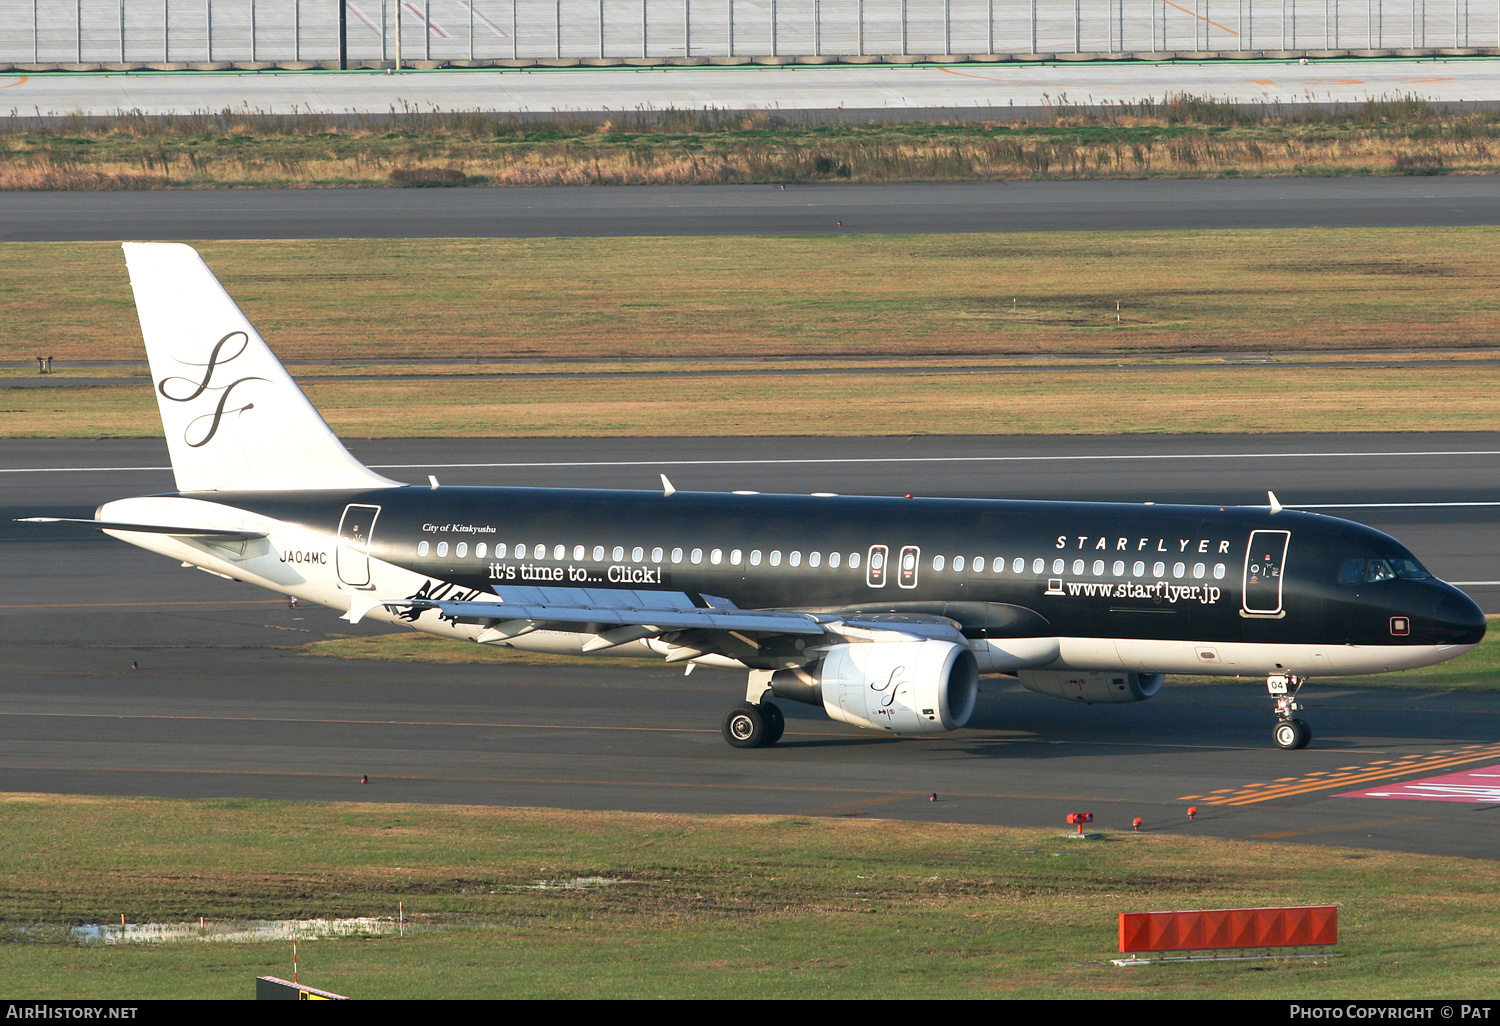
(354, 544)
(1265, 559)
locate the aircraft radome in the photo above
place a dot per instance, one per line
(884, 611)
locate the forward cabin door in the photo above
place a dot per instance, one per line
(353, 556)
(1265, 561)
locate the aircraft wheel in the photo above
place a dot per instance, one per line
(1306, 731)
(1291, 734)
(775, 723)
(745, 726)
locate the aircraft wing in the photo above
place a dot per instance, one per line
(580, 612)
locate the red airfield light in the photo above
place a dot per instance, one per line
(1135, 824)
(1192, 812)
(1078, 819)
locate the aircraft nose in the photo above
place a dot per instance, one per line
(1456, 618)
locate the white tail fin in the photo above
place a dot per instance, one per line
(234, 418)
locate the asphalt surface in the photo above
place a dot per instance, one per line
(989, 90)
(221, 706)
(750, 209)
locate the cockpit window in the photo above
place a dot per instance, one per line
(1410, 570)
(1370, 571)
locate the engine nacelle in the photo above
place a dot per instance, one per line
(906, 687)
(1092, 686)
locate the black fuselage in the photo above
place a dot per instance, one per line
(998, 568)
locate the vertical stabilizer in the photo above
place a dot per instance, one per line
(234, 418)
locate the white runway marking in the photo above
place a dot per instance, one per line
(1479, 785)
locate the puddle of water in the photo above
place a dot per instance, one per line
(240, 932)
(578, 883)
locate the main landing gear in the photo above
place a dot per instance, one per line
(754, 726)
(1290, 732)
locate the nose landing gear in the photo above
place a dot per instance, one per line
(1290, 733)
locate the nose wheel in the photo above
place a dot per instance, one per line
(1290, 733)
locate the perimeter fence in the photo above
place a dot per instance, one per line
(170, 34)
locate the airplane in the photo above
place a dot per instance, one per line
(884, 611)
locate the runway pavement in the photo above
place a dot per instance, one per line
(221, 706)
(750, 209)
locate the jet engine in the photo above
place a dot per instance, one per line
(906, 687)
(1092, 687)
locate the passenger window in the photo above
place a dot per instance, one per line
(559, 551)
(697, 555)
(1218, 571)
(1352, 571)
(619, 553)
(461, 550)
(540, 552)
(1198, 570)
(716, 556)
(577, 551)
(1098, 568)
(814, 558)
(1139, 569)
(1158, 569)
(736, 556)
(775, 557)
(795, 559)
(442, 548)
(480, 550)
(833, 560)
(1178, 569)
(1038, 565)
(1119, 568)
(677, 555)
(958, 564)
(938, 562)
(500, 551)
(1078, 566)
(656, 555)
(755, 557)
(854, 561)
(421, 548)
(1019, 566)
(999, 565)
(1057, 566)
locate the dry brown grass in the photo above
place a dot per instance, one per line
(1185, 137)
(1137, 399)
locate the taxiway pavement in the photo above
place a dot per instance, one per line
(222, 705)
(750, 209)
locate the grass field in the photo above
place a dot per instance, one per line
(487, 301)
(1185, 137)
(826, 335)
(704, 906)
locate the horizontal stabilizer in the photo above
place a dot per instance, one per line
(218, 534)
